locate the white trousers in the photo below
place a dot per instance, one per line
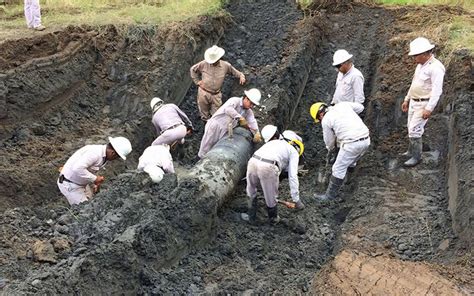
(265, 174)
(170, 136)
(348, 155)
(74, 193)
(416, 123)
(32, 13)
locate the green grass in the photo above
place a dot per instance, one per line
(102, 12)
(467, 4)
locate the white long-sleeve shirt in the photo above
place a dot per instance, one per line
(82, 166)
(169, 115)
(341, 122)
(233, 109)
(427, 82)
(287, 158)
(349, 87)
(158, 155)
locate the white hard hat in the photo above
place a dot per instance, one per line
(121, 145)
(213, 54)
(420, 45)
(340, 56)
(155, 101)
(155, 172)
(291, 135)
(268, 132)
(254, 95)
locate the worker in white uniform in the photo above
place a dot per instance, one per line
(342, 124)
(236, 111)
(279, 153)
(156, 160)
(78, 174)
(171, 124)
(349, 82)
(423, 95)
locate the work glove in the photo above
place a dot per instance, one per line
(243, 122)
(257, 138)
(331, 156)
(99, 180)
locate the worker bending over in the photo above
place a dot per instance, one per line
(171, 124)
(342, 124)
(78, 173)
(156, 161)
(280, 152)
(236, 111)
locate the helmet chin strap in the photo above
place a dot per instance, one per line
(157, 107)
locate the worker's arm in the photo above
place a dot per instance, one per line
(358, 86)
(357, 107)
(236, 73)
(437, 77)
(80, 167)
(329, 136)
(231, 107)
(194, 71)
(252, 122)
(293, 174)
(183, 116)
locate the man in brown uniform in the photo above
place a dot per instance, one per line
(213, 71)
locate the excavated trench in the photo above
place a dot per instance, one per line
(185, 235)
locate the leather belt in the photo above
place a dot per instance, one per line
(211, 92)
(274, 162)
(171, 127)
(361, 139)
(421, 100)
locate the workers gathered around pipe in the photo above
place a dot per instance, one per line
(342, 129)
(423, 95)
(236, 111)
(342, 125)
(349, 82)
(156, 161)
(280, 152)
(78, 174)
(171, 124)
(212, 71)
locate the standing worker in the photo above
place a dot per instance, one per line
(236, 111)
(281, 152)
(423, 95)
(341, 123)
(213, 71)
(33, 15)
(79, 171)
(349, 82)
(156, 161)
(171, 124)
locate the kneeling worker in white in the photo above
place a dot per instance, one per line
(79, 171)
(280, 152)
(342, 124)
(156, 161)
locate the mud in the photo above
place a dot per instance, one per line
(180, 237)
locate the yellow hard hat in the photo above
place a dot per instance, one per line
(294, 140)
(314, 110)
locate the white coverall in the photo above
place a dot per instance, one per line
(217, 127)
(158, 155)
(267, 174)
(32, 13)
(426, 87)
(349, 87)
(171, 124)
(80, 171)
(341, 122)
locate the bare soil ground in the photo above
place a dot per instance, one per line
(393, 231)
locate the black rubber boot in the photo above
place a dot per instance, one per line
(273, 215)
(409, 150)
(416, 146)
(332, 190)
(252, 211)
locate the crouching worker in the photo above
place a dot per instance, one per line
(342, 124)
(237, 111)
(280, 152)
(78, 174)
(156, 161)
